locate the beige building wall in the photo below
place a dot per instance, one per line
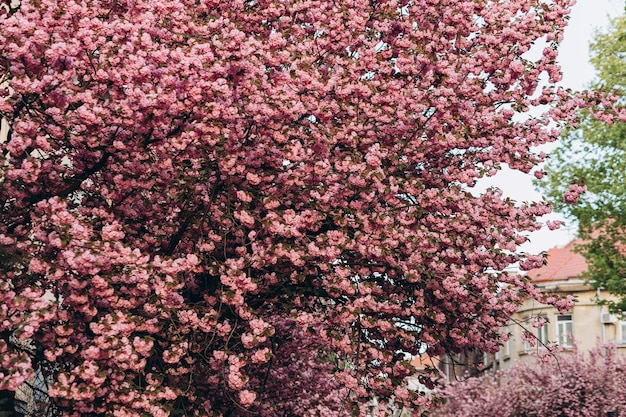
(589, 322)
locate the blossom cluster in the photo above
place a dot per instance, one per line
(582, 384)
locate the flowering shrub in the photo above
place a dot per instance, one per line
(569, 385)
(220, 208)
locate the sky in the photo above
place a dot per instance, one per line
(587, 16)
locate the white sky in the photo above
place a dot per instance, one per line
(587, 16)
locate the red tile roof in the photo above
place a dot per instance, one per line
(562, 264)
(424, 360)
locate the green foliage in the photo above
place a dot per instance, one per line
(593, 154)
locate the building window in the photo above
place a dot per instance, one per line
(621, 336)
(540, 334)
(507, 344)
(565, 330)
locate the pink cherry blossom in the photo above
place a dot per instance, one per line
(588, 384)
(573, 193)
(249, 208)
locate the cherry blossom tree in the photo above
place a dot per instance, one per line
(571, 384)
(227, 208)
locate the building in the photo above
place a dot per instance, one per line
(585, 325)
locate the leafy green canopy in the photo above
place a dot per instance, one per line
(593, 155)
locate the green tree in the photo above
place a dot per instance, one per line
(593, 155)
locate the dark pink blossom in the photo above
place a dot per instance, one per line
(585, 384)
